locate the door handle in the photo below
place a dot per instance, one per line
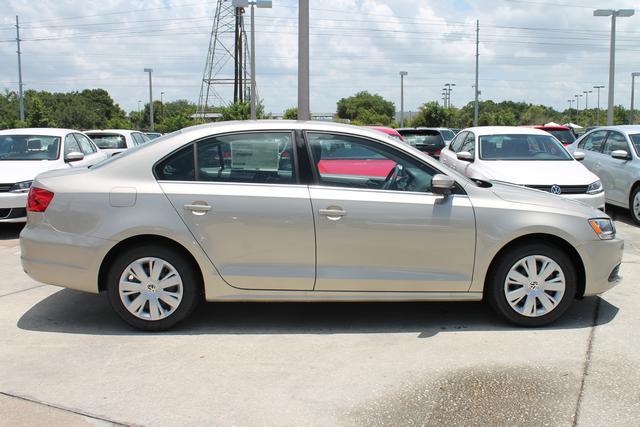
(197, 209)
(333, 213)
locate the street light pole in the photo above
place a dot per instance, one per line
(577, 108)
(162, 105)
(20, 94)
(150, 70)
(402, 74)
(303, 60)
(631, 112)
(623, 13)
(139, 117)
(598, 110)
(586, 104)
(477, 92)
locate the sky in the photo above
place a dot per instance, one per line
(537, 51)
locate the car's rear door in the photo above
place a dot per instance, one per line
(617, 175)
(375, 234)
(240, 196)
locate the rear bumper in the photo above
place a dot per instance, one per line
(61, 259)
(602, 259)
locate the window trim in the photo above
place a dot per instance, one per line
(217, 135)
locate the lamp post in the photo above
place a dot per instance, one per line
(586, 104)
(448, 89)
(578, 107)
(150, 70)
(402, 74)
(598, 110)
(162, 105)
(570, 101)
(631, 112)
(623, 13)
(139, 117)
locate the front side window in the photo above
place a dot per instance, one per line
(458, 141)
(469, 144)
(29, 147)
(261, 158)
(85, 145)
(71, 145)
(347, 161)
(635, 140)
(137, 138)
(593, 141)
(615, 141)
(522, 147)
(107, 141)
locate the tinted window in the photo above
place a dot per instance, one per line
(593, 141)
(108, 140)
(137, 138)
(252, 158)
(635, 140)
(71, 145)
(447, 134)
(85, 145)
(29, 147)
(419, 138)
(615, 141)
(564, 136)
(521, 147)
(346, 161)
(458, 140)
(469, 143)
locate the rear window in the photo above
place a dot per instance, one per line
(432, 138)
(564, 136)
(108, 140)
(447, 134)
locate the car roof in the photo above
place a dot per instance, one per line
(38, 131)
(500, 130)
(543, 127)
(622, 128)
(111, 131)
(384, 129)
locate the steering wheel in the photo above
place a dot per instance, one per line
(392, 177)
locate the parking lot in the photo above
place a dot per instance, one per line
(66, 356)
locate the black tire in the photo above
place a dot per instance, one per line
(634, 217)
(495, 294)
(191, 284)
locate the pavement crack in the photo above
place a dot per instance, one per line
(587, 361)
(62, 408)
(21, 290)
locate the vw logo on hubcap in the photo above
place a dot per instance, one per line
(151, 287)
(555, 189)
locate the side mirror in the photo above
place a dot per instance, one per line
(620, 154)
(578, 155)
(74, 156)
(465, 156)
(442, 184)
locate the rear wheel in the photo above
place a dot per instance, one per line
(532, 285)
(152, 287)
(634, 206)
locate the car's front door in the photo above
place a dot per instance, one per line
(379, 227)
(239, 195)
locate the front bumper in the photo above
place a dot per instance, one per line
(593, 200)
(13, 207)
(602, 259)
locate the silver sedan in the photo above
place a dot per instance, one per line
(304, 211)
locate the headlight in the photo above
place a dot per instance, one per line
(595, 187)
(603, 227)
(21, 187)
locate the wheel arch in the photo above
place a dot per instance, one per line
(547, 238)
(630, 195)
(139, 240)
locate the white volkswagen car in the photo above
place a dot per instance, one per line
(524, 156)
(114, 141)
(24, 153)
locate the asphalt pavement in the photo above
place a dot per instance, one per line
(66, 359)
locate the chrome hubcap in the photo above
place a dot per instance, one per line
(150, 288)
(534, 285)
(636, 205)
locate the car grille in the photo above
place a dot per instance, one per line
(5, 187)
(565, 189)
(13, 213)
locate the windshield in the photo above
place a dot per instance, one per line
(521, 147)
(447, 134)
(635, 140)
(29, 147)
(564, 136)
(108, 140)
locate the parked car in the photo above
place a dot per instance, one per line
(523, 156)
(612, 153)
(562, 133)
(115, 141)
(428, 141)
(24, 153)
(447, 134)
(153, 135)
(387, 131)
(455, 130)
(177, 220)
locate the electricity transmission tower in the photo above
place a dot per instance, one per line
(227, 56)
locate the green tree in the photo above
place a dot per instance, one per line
(37, 115)
(291, 113)
(241, 111)
(431, 114)
(366, 108)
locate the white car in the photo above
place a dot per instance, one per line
(24, 153)
(114, 141)
(524, 156)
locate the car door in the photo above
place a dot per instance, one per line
(91, 153)
(591, 146)
(379, 233)
(448, 153)
(617, 175)
(240, 197)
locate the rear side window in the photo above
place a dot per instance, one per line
(262, 158)
(594, 141)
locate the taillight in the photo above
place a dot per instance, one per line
(437, 152)
(38, 199)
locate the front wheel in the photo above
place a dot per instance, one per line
(532, 285)
(634, 206)
(152, 287)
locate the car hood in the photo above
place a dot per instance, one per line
(522, 195)
(538, 172)
(25, 170)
